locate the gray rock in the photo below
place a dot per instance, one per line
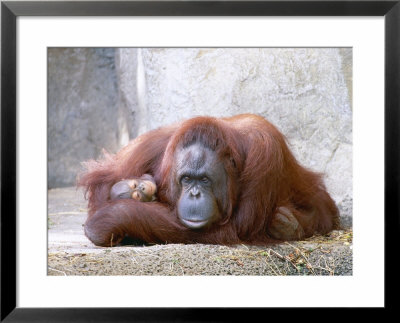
(129, 117)
(82, 109)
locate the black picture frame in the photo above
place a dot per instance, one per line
(11, 10)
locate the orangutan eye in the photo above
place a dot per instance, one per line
(132, 184)
(205, 180)
(185, 179)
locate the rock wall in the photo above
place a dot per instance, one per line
(305, 92)
(82, 109)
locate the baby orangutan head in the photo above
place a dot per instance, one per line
(140, 188)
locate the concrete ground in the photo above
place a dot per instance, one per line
(71, 253)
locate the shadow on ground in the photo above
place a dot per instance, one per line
(71, 253)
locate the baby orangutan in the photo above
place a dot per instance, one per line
(138, 188)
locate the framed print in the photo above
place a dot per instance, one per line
(259, 44)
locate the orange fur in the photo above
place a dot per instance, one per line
(262, 176)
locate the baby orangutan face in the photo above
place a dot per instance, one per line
(141, 189)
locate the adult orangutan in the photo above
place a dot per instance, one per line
(220, 181)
